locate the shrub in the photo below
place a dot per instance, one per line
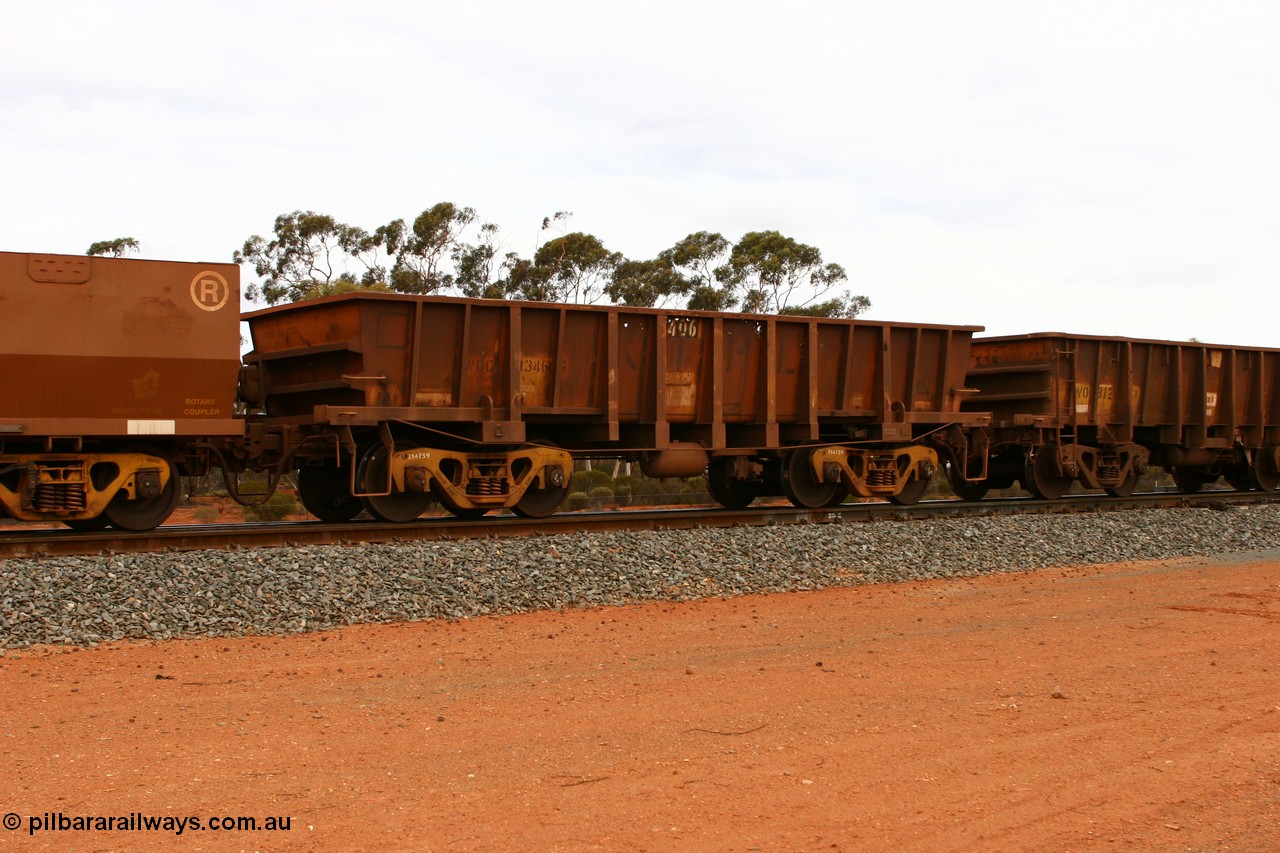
(694, 491)
(576, 500)
(585, 481)
(278, 507)
(206, 514)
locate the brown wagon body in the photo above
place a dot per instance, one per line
(1100, 409)
(113, 369)
(871, 403)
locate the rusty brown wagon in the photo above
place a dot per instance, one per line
(391, 400)
(1099, 410)
(117, 372)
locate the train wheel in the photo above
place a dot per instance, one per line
(800, 485)
(397, 507)
(325, 492)
(1040, 478)
(1238, 477)
(1126, 488)
(964, 489)
(538, 503)
(145, 513)
(912, 492)
(1265, 475)
(727, 491)
(1189, 480)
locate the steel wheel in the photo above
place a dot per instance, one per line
(325, 492)
(145, 513)
(1126, 488)
(1039, 477)
(397, 507)
(1238, 477)
(800, 485)
(1265, 475)
(912, 492)
(964, 489)
(1189, 480)
(727, 491)
(538, 503)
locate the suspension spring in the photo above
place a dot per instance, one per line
(880, 477)
(487, 486)
(59, 497)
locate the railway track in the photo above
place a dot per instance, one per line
(190, 537)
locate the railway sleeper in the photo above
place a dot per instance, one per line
(79, 487)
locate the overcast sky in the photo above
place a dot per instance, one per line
(1102, 168)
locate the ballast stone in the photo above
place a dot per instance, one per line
(84, 601)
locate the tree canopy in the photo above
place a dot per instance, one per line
(447, 249)
(117, 248)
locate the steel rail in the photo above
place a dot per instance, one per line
(188, 537)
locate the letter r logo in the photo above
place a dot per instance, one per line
(210, 291)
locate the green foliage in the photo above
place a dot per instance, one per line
(432, 240)
(312, 254)
(206, 514)
(117, 248)
(595, 489)
(847, 306)
(767, 271)
(570, 268)
(278, 507)
(343, 284)
(310, 251)
(645, 283)
(600, 492)
(585, 481)
(647, 491)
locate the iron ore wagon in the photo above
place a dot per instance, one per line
(386, 401)
(117, 374)
(1099, 410)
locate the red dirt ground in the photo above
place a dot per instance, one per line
(1124, 707)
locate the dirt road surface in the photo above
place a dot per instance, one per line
(1121, 707)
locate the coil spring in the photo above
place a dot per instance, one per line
(59, 497)
(880, 477)
(487, 486)
(1108, 473)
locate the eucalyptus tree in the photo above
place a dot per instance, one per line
(310, 252)
(426, 250)
(769, 273)
(117, 248)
